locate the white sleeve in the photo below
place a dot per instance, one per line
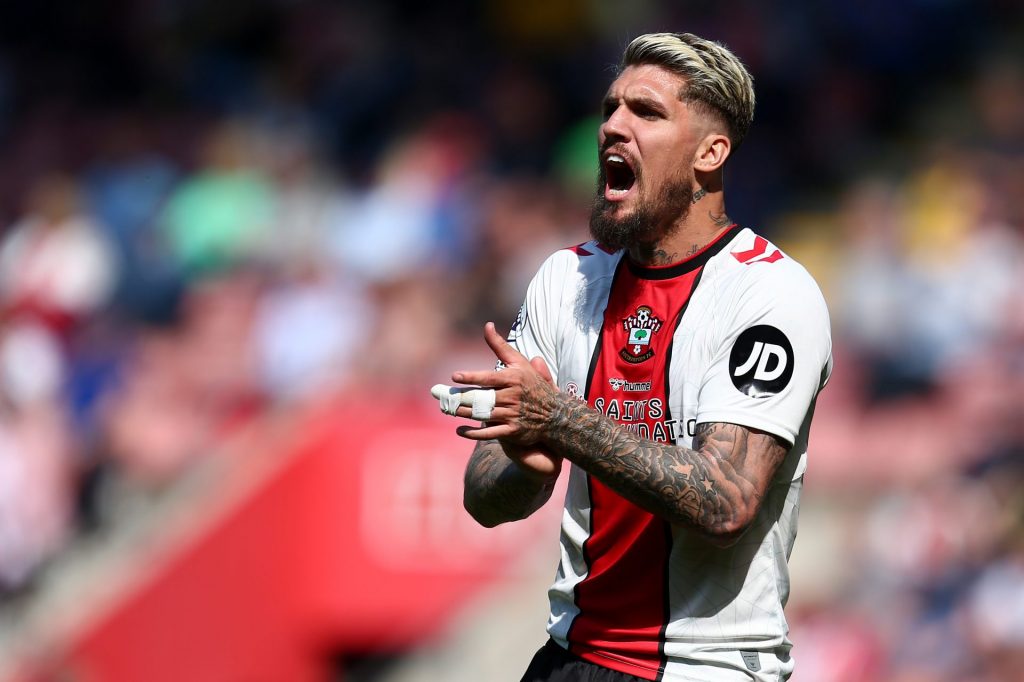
(770, 355)
(534, 331)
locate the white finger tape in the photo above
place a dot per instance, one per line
(450, 398)
(447, 397)
(483, 403)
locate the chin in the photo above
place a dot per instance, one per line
(618, 226)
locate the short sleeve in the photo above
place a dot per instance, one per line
(770, 353)
(534, 331)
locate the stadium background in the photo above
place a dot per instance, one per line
(240, 239)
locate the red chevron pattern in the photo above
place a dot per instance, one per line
(757, 253)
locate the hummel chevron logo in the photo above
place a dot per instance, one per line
(757, 253)
(581, 250)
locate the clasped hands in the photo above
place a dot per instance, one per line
(524, 399)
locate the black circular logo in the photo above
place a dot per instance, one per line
(761, 362)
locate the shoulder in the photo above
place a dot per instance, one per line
(757, 286)
(591, 254)
(589, 260)
(755, 269)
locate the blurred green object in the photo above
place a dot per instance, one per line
(575, 158)
(215, 218)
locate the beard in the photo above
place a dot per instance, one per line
(650, 220)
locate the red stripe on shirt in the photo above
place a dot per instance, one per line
(623, 599)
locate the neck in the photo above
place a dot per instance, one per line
(705, 221)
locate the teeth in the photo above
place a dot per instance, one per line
(615, 158)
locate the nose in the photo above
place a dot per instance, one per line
(615, 127)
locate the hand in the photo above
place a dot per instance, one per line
(536, 460)
(524, 395)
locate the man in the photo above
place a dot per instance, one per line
(675, 361)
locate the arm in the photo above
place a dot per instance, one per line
(507, 482)
(716, 488)
(499, 489)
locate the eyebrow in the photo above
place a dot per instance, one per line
(611, 102)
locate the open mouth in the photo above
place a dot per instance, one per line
(619, 176)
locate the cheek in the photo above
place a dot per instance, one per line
(666, 162)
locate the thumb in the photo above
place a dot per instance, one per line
(541, 367)
(501, 348)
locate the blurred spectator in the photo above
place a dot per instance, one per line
(876, 290)
(55, 264)
(36, 491)
(995, 617)
(128, 185)
(222, 214)
(36, 466)
(310, 201)
(418, 210)
(310, 333)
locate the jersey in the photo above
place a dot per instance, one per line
(737, 333)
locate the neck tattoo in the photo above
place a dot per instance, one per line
(719, 220)
(662, 257)
(698, 195)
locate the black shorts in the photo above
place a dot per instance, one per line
(552, 663)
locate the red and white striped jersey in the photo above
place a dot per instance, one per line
(737, 333)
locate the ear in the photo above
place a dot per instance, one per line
(711, 153)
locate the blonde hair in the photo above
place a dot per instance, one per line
(716, 80)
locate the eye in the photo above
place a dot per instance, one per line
(648, 112)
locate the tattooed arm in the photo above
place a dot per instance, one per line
(716, 488)
(499, 488)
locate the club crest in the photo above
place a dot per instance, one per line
(641, 326)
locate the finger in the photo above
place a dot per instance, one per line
(502, 348)
(471, 396)
(541, 367)
(487, 432)
(497, 415)
(484, 378)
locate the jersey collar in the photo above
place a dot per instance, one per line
(689, 264)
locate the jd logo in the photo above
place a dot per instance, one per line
(761, 362)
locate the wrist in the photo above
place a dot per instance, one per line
(564, 414)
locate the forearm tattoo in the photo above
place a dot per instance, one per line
(496, 489)
(717, 487)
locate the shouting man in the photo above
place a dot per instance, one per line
(674, 363)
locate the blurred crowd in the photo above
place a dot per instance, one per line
(214, 212)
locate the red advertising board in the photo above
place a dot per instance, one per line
(357, 542)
